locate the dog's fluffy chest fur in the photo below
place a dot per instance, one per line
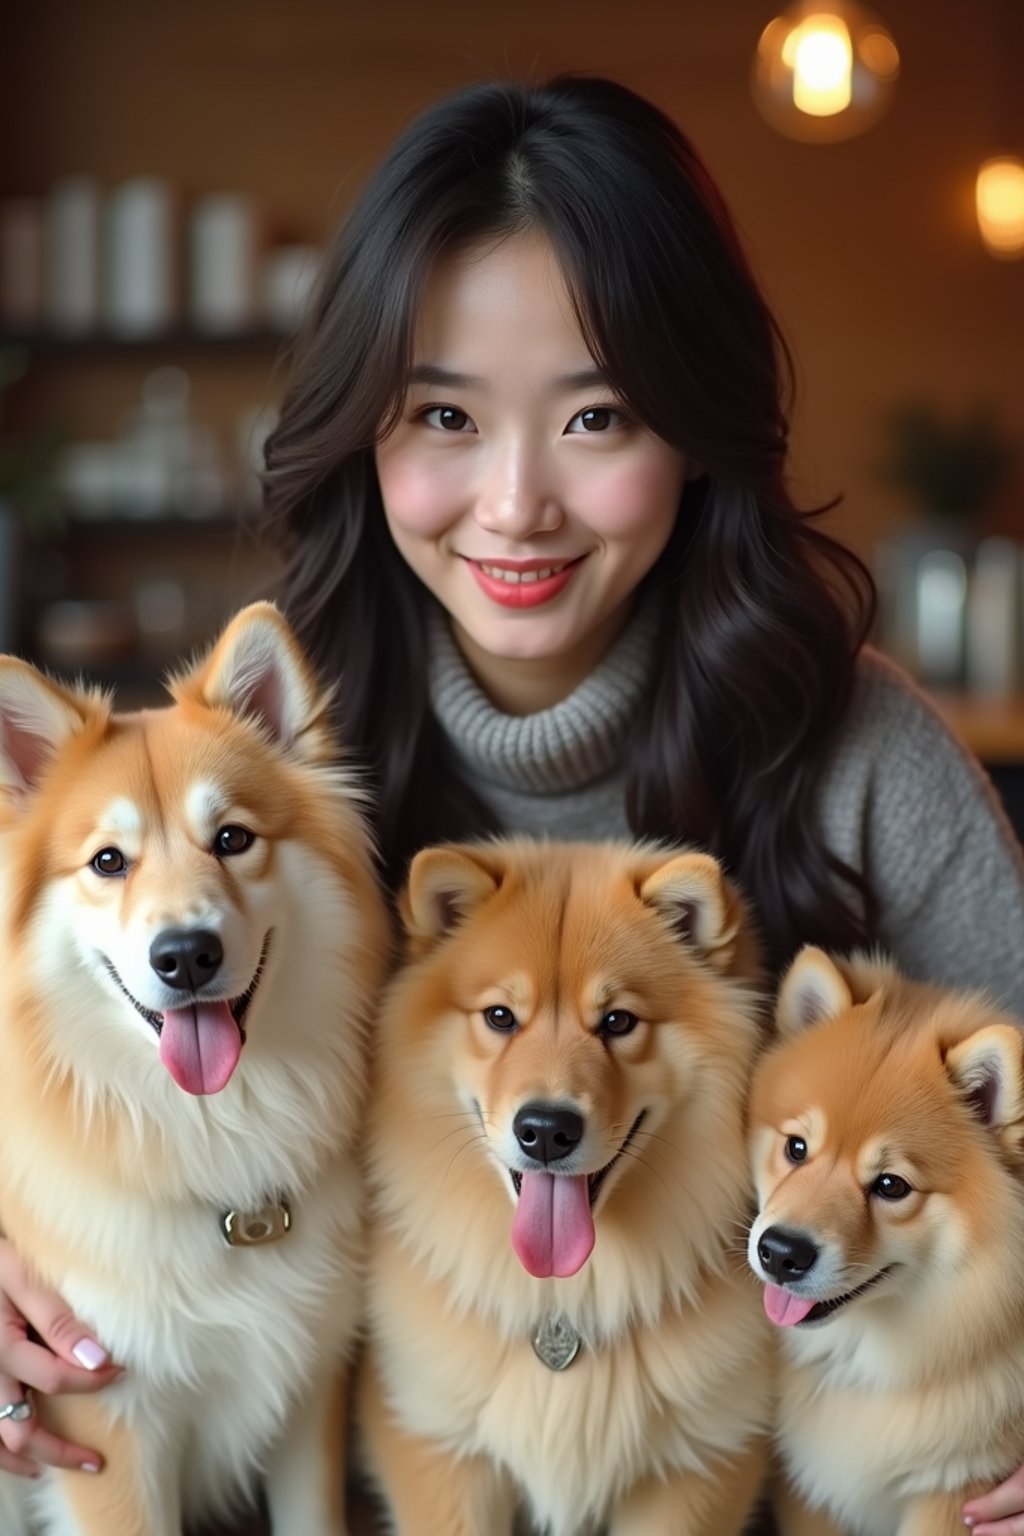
(942, 1433)
(681, 1393)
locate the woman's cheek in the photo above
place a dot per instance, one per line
(627, 499)
(417, 496)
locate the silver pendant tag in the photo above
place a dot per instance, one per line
(252, 1229)
(556, 1343)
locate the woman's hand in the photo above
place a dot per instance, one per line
(1001, 1512)
(68, 1360)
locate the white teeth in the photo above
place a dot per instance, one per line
(513, 577)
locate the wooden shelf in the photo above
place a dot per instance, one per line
(159, 526)
(180, 340)
(992, 728)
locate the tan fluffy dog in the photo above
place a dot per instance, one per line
(190, 940)
(559, 1318)
(888, 1145)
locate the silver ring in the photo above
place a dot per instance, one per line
(17, 1412)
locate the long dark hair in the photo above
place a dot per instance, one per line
(764, 613)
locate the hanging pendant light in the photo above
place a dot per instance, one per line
(824, 70)
(999, 201)
(999, 186)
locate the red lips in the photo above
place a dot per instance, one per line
(531, 590)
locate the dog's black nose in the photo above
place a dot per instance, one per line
(186, 958)
(547, 1131)
(785, 1255)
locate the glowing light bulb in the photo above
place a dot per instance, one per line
(824, 70)
(999, 199)
(822, 56)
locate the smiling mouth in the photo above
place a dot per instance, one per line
(595, 1181)
(522, 575)
(825, 1309)
(239, 1006)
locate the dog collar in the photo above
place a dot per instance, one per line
(556, 1342)
(253, 1229)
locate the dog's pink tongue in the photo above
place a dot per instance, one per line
(784, 1308)
(200, 1046)
(553, 1230)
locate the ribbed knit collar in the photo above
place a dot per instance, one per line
(576, 741)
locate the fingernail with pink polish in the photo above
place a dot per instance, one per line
(90, 1354)
(90, 1466)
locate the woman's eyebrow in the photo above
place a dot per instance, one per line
(433, 373)
(583, 378)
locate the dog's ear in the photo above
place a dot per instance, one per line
(445, 885)
(36, 717)
(988, 1068)
(257, 670)
(812, 990)
(691, 891)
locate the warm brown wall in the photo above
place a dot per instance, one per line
(867, 249)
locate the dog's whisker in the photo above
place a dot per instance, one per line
(470, 1141)
(850, 1271)
(637, 1157)
(458, 1130)
(656, 1136)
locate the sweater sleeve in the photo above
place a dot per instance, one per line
(905, 802)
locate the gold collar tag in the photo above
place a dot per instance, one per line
(254, 1229)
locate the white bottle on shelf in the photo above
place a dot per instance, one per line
(138, 289)
(223, 241)
(939, 614)
(71, 256)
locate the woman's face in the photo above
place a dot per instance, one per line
(517, 489)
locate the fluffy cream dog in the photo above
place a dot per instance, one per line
(191, 939)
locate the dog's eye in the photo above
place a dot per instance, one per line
(500, 1018)
(233, 840)
(891, 1187)
(109, 861)
(619, 1022)
(796, 1149)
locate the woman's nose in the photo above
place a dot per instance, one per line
(516, 495)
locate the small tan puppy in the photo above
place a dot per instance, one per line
(560, 1321)
(888, 1145)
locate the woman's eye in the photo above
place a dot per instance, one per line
(596, 418)
(448, 418)
(796, 1149)
(500, 1018)
(109, 861)
(233, 840)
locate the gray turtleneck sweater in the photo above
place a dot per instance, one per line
(900, 800)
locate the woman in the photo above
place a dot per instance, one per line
(529, 481)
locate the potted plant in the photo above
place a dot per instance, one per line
(953, 469)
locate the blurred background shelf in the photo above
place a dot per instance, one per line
(226, 525)
(179, 342)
